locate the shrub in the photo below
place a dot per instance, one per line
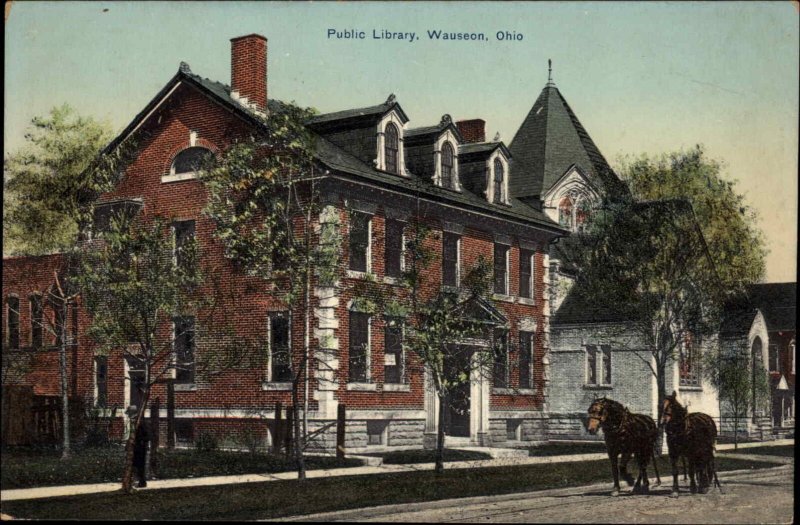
(206, 442)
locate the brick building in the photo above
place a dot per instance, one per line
(378, 170)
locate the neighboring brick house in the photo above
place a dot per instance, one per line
(377, 170)
(762, 325)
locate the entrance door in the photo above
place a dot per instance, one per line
(457, 372)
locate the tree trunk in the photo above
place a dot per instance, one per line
(155, 437)
(306, 332)
(62, 358)
(298, 449)
(127, 473)
(439, 469)
(661, 387)
(736, 433)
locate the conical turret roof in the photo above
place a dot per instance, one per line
(550, 140)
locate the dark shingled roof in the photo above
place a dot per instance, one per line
(577, 309)
(776, 301)
(550, 140)
(339, 160)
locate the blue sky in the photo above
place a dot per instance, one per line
(642, 77)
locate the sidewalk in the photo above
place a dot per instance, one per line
(72, 490)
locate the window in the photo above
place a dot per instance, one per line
(501, 269)
(598, 365)
(688, 363)
(359, 241)
(37, 321)
(498, 181)
(12, 320)
(100, 381)
(183, 234)
(391, 147)
(393, 249)
(60, 327)
(526, 276)
(774, 362)
(450, 254)
(513, 428)
(500, 374)
(135, 380)
(189, 161)
(359, 347)
(280, 355)
(376, 431)
(526, 340)
(184, 349)
(393, 368)
(447, 166)
(565, 212)
(184, 432)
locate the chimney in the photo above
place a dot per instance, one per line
(249, 69)
(472, 130)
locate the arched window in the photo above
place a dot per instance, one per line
(189, 160)
(498, 181)
(391, 147)
(581, 213)
(565, 208)
(447, 165)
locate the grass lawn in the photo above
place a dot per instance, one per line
(781, 450)
(408, 457)
(275, 499)
(23, 468)
(558, 449)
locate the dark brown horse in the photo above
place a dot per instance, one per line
(628, 434)
(691, 436)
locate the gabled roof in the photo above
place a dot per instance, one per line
(370, 113)
(481, 149)
(549, 141)
(421, 134)
(340, 160)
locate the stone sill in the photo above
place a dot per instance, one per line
(513, 391)
(178, 177)
(526, 300)
(355, 274)
(185, 387)
(690, 388)
(598, 387)
(503, 297)
(268, 385)
(393, 280)
(362, 387)
(396, 387)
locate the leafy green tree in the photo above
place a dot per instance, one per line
(132, 288)
(741, 383)
(728, 223)
(51, 182)
(264, 201)
(436, 325)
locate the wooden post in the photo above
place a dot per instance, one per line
(277, 434)
(170, 414)
(340, 422)
(288, 434)
(155, 431)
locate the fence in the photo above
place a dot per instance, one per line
(30, 419)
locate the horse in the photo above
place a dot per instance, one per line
(691, 436)
(628, 434)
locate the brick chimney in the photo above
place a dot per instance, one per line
(472, 130)
(249, 69)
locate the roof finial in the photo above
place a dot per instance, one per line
(550, 72)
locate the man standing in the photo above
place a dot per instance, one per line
(140, 445)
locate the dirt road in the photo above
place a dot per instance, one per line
(760, 496)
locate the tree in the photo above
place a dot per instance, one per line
(663, 262)
(435, 326)
(263, 199)
(133, 288)
(51, 181)
(741, 382)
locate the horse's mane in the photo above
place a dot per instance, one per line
(676, 406)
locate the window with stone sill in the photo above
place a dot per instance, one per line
(774, 361)
(359, 245)
(184, 346)
(688, 363)
(526, 275)
(12, 321)
(393, 248)
(359, 348)
(280, 356)
(526, 340)
(37, 321)
(391, 148)
(500, 269)
(182, 235)
(101, 381)
(189, 161)
(598, 365)
(393, 368)
(500, 373)
(450, 259)
(448, 166)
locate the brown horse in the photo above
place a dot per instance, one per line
(628, 434)
(691, 436)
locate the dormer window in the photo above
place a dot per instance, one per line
(499, 177)
(186, 164)
(448, 157)
(391, 147)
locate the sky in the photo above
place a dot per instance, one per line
(643, 78)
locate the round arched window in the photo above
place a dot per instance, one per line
(190, 160)
(391, 147)
(498, 181)
(448, 158)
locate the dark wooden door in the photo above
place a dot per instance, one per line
(457, 409)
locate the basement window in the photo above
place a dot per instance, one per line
(376, 432)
